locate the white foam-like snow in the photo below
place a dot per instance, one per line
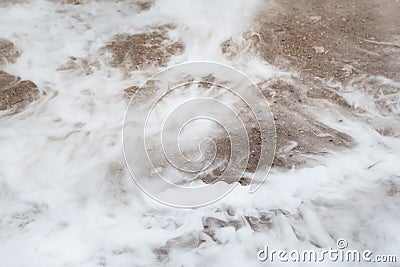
(67, 200)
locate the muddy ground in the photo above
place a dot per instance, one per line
(323, 41)
(139, 51)
(15, 94)
(335, 41)
(332, 39)
(8, 52)
(130, 52)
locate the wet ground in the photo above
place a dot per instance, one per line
(323, 42)
(333, 90)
